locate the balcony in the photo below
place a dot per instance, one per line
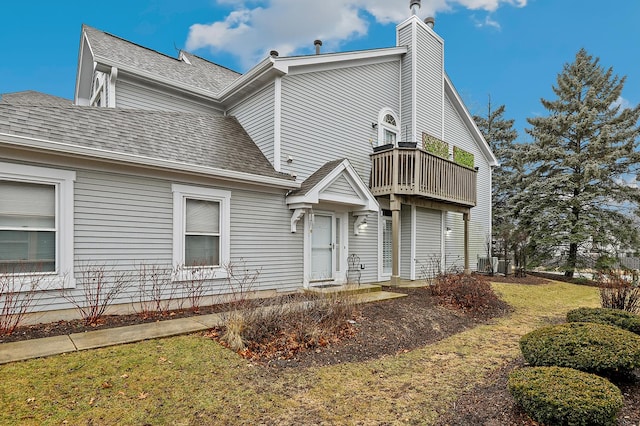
(414, 172)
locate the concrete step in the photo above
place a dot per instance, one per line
(377, 296)
(347, 289)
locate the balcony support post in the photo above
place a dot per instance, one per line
(466, 217)
(395, 240)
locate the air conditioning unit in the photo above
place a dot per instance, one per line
(487, 264)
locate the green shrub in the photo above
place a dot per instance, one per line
(607, 316)
(564, 396)
(595, 348)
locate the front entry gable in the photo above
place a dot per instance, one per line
(335, 182)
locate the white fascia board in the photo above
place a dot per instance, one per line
(471, 124)
(367, 203)
(82, 53)
(326, 61)
(254, 74)
(118, 157)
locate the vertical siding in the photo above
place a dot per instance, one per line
(134, 96)
(256, 115)
(405, 242)
(428, 235)
(458, 134)
(327, 115)
(429, 83)
(365, 245)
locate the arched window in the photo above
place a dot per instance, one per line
(388, 128)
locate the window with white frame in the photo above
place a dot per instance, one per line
(36, 223)
(201, 227)
(388, 128)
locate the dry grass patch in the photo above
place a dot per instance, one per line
(193, 380)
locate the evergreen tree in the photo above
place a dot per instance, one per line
(583, 154)
(500, 134)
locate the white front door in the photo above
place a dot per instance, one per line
(322, 248)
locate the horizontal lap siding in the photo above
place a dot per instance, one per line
(405, 242)
(124, 221)
(365, 245)
(428, 238)
(133, 96)
(256, 115)
(327, 115)
(429, 84)
(406, 115)
(261, 236)
(458, 134)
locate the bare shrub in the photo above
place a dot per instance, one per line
(284, 326)
(617, 293)
(430, 268)
(193, 281)
(281, 326)
(100, 287)
(465, 292)
(156, 290)
(18, 293)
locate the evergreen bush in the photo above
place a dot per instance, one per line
(564, 396)
(615, 317)
(594, 348)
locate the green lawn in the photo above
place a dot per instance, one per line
(192, 380)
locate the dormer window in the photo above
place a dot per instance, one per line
(388, 128)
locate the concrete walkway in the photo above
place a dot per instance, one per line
(37, 348)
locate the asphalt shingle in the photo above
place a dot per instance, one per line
(200, 74)
(191, 138)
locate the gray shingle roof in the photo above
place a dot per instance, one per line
(31, 97)
(201, 74)
(316, 177)
(194, 139)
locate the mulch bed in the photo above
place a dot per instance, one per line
(387, 328)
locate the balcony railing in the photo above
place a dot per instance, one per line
(411, 171)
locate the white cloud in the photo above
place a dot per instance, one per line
(622, 103)
(255, 27)
(488, 22)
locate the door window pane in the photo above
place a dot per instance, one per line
(387, 246)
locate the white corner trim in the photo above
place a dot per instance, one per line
(113, 77)
(277, 124)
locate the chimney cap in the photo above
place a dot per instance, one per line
(317, 42)
(414, 3)
(274, 53)
(430, 21)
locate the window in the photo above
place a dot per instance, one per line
(201, 222)
(387, 128)
(36, 223)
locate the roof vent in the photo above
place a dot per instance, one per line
(414, 5)
(430, 21)
(317, 44)
(274, 53)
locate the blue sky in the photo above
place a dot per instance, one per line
(509, 49)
